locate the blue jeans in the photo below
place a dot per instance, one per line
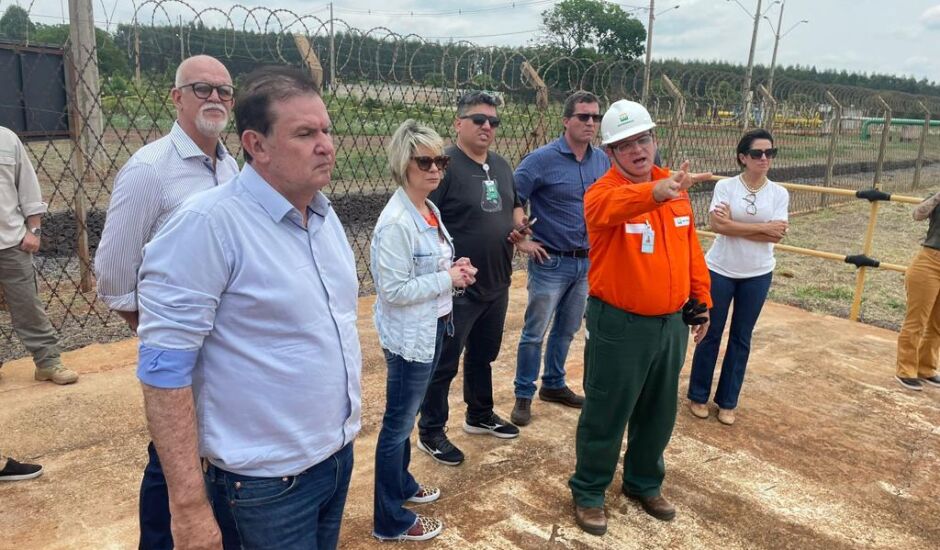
(301, 512)
(154, 506)
(404, 391)
(748, 296)
(558, 288)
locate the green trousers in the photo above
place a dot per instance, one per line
(631, 378)
(27, 314)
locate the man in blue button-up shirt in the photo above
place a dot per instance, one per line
(553, 179)
(249, 355)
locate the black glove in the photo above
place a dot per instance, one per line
(691, 311)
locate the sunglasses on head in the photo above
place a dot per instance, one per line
(758, 153)
(424, 163)
(584, 117)
(203, 90)
(479, 119)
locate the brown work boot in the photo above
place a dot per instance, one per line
(562, 395)
(522, 412)
(699, 410)
(591, 520)
(656, 506)
(726, 416)
(57, 374)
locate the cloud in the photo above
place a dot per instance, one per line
(931, 17)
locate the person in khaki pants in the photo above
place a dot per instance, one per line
(919, 341)
(21, 210)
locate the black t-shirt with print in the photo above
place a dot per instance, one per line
(478, 216)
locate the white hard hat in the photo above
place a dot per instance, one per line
(624, 119)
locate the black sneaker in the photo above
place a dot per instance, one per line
(494, 425)
(15, 471)
(441, 449)
(910, 383)
(932, 380)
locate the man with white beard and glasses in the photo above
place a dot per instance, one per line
(155, 181)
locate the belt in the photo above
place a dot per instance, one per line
(579, 253)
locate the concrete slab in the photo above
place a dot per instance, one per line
(828, 451)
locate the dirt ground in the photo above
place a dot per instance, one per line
(828, 452)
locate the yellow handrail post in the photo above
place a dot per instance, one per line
(923, 144)
(672, 143)
(835, 128)
(866, 250)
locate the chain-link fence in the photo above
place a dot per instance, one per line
(375, 79)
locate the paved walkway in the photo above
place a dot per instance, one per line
(828, 451)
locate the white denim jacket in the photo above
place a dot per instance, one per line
(409, 274)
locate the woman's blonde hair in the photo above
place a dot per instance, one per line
(403, 144)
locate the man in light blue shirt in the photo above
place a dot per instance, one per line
(552, 180)
(249, 354)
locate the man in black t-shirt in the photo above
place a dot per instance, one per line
(479, 207)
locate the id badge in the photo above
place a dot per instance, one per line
(649, 238)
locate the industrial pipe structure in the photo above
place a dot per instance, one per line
(868, 121)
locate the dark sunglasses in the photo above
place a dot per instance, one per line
(479, 119)
(203, 90)
(424, 163)
(584, 117)
(758, 153)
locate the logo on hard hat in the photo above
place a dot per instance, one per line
(624, 118)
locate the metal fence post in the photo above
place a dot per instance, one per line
(86, 122)
(537, 135)
(672, 142)
(884, 140)
(923, 144)
(310, 59)
(835, 128)
(866, 250)
(768, 124)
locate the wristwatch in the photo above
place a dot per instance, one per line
(36, 231)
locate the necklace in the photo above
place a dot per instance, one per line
(752, 189)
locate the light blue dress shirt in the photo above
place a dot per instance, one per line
(258, 314)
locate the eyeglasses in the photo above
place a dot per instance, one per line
(424, 163)
(584, 117)
(479, 119)
(642, 141)
(203, 90)
(751, 207)
(758, 153)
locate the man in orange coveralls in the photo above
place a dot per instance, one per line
(647, 281)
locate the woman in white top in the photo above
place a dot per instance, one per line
(749, 213)
(414, 277)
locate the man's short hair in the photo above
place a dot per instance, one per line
(474, 98)
(263, 87)
(404, 144)
(581, 96)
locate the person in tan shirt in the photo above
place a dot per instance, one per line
(21, 210)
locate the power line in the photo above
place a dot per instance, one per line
(461, 11)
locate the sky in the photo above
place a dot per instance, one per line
(898, 37)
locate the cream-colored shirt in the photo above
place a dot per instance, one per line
(20, 196)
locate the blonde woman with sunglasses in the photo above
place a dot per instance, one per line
(749, 213)
(414, 275)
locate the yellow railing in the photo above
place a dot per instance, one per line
(863, 261)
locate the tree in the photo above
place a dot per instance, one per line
(15, 23)
(574, 26)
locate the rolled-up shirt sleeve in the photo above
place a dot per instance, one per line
(184, 272)
(30, 194)
(136, 204)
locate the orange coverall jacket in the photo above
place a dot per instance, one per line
(618, 212)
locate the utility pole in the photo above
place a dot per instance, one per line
(750, 69)
(649, 52)
(332, 54)
(85, 116)
(182, 48)
(777, 36)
